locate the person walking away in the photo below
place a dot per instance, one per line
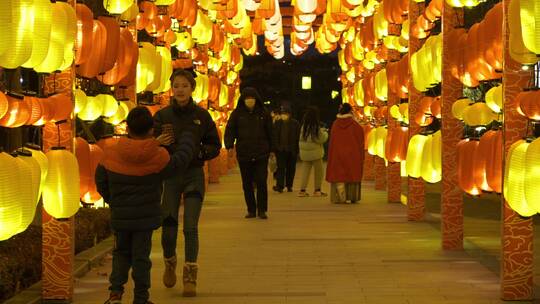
(184, 114)
(345, 157)
(249, 129)
(312, 138)
(129, 178)
(286, 134)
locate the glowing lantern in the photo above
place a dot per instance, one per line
(96, 153)
(109, 105)
(431, 159)
(80, 100)
(530, 26)
(35, 109)
(381, 85)
(494, 99)
(10, 206)
(63, 106)
(131, 13)
(201, 88)
(117, 6)
(61, 188)
(202, 30)
(92, 110)
(93, 65)
(372, 142)
(396, 144)
(532, 173)
(459, 106)
(82, 152)
(515, 173)
(166, 69)
(415, 151)
(517, 48)
(17, 114)
(17, 32)
(56, 48)
(70, 36)
(380, 145)
(40, 22)
(466, 150)
(30, 180)
(478, 114)
(47, 111)
(481, 154)
(120, 114)
(85, 26)
(529, 105)
(4, 104)
(43, 163)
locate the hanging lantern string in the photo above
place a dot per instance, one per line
(58, 123)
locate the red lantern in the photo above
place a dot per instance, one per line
(435, 107)
(17, 114)
(466, 149)
(85, 26)
(128, 54)
(95, 157)
(397, 143)
(111, 44)
(4, 104)
(63, 106)
(529, 104)
(92, 67)
(82, 152)
(35, 109)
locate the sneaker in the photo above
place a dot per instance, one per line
(250, 215)
(262, 215)
(114, 298)
(319, 194)
(302, 193)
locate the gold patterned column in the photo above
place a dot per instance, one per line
(452, 130)
(58, 244)
(416, 187)
(517, 232)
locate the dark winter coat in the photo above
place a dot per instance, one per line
(292, 138)
(196, 120)
(251, 131)
(129, 178)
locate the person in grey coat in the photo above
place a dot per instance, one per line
(312, 138)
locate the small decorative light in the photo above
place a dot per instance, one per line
(306, 82)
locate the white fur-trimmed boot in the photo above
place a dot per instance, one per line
(169, 276)
(190, 279)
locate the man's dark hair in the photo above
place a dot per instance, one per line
(186, 74)
(139, 121)
(345, 109)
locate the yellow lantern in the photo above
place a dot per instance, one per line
(459, 106)
(529, 11)
(201, 88)
(80, 100)
(30, 174)
(380, 144)
(372, 142)
(41, 15)
(532, 175)
(131, 13)
(56, 48)
(43, 162)
(478, 114)
(109, 105)
(394, 113)
(10, 207)
(431, 159)
(381, 85)
(415, 152)
(183, 42)
(164, 2)
(61, 189)
(166, 69)
(223, 95)
(404, 110)
(71, 35)
(494, 99)
(16, 32)
(514, 179)
(517, 48)
(120, 114)
(92, 110)
(146, 66)
(202, 30)
(117, 7)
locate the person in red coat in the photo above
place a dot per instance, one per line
(345, 157)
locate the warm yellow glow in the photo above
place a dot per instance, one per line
(201, 88)
(16, 32)
(517, 48)
(372, 142)
(223, 95)
(80, 100)
(10, 207)
(380, 146)
(92, 110)
(514, 179)
(431, 159)
(71, 35)
(530, 24)
(119, 6)
(478, 114)
(381, 85)
(183, 41)
(30, 183)
(532, 175)
(459, 106)
(306, 82)
(61, 188)
(202, 30)
(41, 19)
(165, 68)
(59, 28)
(109, 105)
(494, 99)
(120, 114)
(414, 155)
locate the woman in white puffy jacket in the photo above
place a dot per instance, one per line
(312, 138)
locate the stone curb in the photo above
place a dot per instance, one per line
(83, 263)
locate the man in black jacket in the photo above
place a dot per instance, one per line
(184, 114)
(286, 137)
(129, 179)
(250, 126)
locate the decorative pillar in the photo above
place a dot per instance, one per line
(393, 170)
(452, 131)
(369, 166)
(58, 244)
(517, 232)
(416, 191)
(380, 173)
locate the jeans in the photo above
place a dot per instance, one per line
(255, 172)
(286, 169)
(132, 250)
(191, 185)
(306, 170)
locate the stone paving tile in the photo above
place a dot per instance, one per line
(310, 251)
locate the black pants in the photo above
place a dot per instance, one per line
(132, 250)
(286, 168)
(255, 172)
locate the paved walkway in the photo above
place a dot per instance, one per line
(311, 251)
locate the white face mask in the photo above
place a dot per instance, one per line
(250, 103)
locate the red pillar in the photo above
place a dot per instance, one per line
(517, 232)
(452, 130)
